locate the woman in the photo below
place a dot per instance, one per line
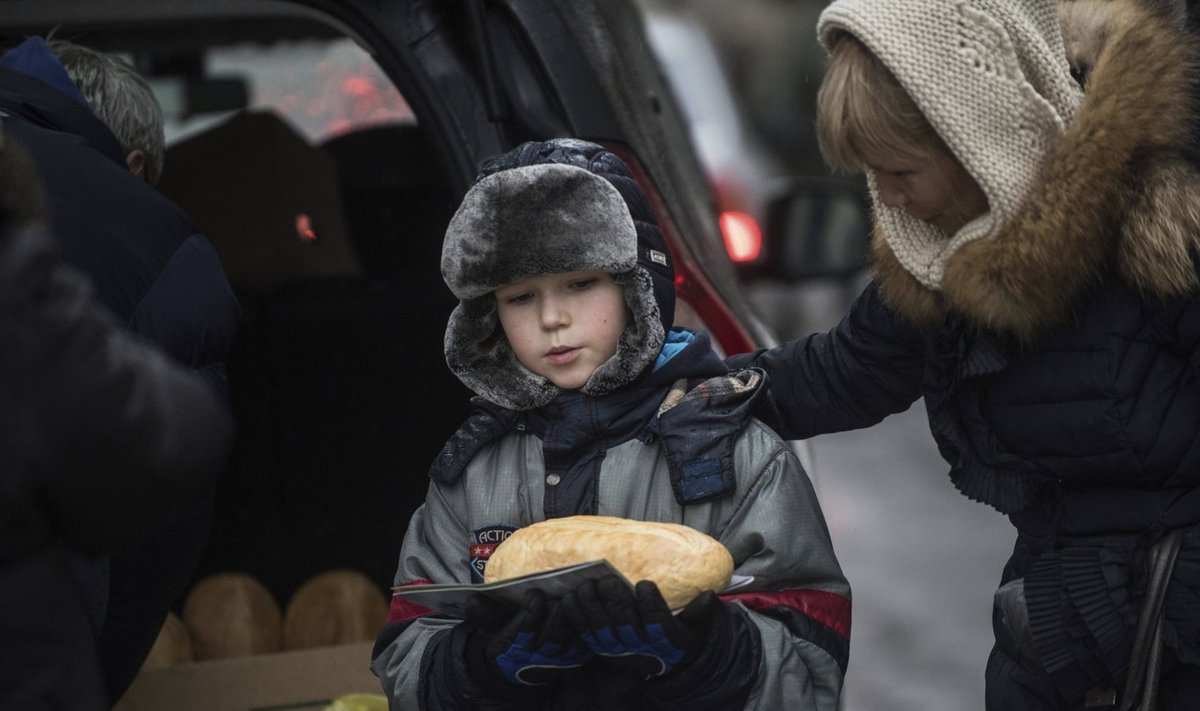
(1034, 281)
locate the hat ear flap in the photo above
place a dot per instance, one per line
(479, 354)
(640, 342)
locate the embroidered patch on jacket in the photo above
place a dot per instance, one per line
(483, 543)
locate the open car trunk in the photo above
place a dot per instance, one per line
(331, 233)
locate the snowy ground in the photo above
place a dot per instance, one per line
(923, 562)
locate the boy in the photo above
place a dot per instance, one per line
(591, 404)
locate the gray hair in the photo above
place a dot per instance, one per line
(119, 97)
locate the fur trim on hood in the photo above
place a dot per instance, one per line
(1116, 193)
(537, 219)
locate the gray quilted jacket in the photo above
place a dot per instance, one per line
(760, 505)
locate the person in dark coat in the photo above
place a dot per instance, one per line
(99, 431)
(152, 270)
(1035, 280)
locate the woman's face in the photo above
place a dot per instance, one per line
(936, 190)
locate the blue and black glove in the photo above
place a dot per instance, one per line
(633, 631)
(532, 647)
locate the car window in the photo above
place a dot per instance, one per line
(326, 203)
(323, 88)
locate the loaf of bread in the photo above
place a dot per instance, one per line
(172, 646)
(232, 614)
(681, 561)
(335, 607)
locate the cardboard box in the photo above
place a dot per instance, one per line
(305, 680)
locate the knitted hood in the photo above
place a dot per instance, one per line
(1071, 179)
(547, 208)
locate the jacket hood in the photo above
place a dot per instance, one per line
(1114, 193)
(532, 213)
(45, 105)
(35, 58)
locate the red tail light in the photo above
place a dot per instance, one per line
(743, 238)
(304, 228)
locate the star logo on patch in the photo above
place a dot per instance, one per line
(483, 544)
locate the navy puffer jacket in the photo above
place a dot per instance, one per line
(159, 276)
(163, 281)
(1110, 401)
(1090, 441)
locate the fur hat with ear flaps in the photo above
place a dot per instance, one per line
(549, 207)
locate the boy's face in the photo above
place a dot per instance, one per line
(563, 326)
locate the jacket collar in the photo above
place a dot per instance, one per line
(33, 100)
(35, 58)
(625, 412)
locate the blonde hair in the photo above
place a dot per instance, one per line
(862, 109)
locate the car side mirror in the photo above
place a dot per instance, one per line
(814, 227)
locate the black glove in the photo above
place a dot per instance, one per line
(633, 630)
(530, 647)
